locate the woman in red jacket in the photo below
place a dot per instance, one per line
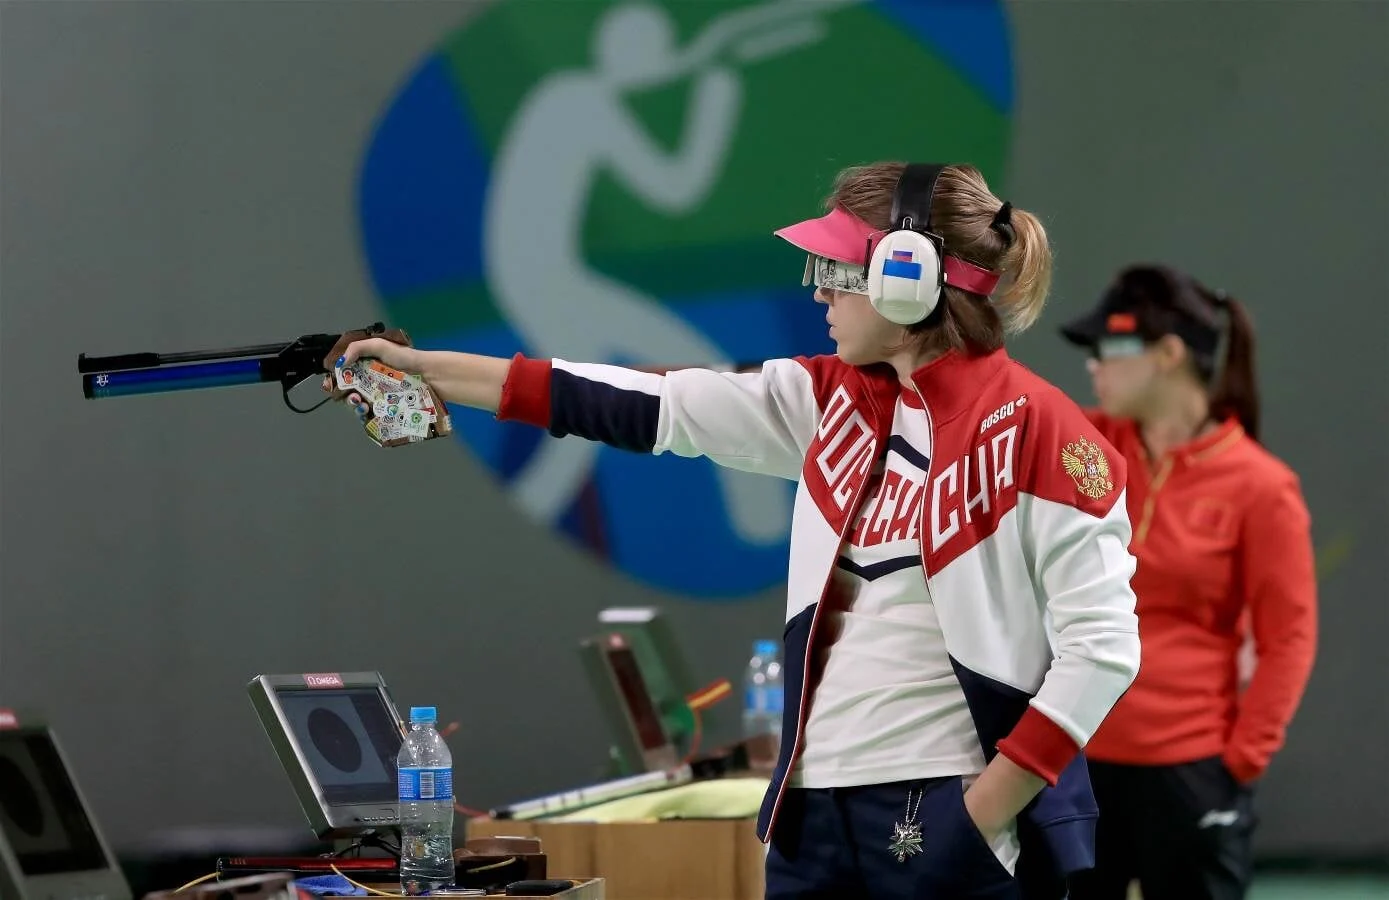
(1221, 533)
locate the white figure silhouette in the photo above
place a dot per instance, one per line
(571, 126)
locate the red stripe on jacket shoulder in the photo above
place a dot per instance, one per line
(1069, 459)
(827, 372)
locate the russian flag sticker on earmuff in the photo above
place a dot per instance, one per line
(904, 277)
(904, 273)
(909, 267)
(901, 265)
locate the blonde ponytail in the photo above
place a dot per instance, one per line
(1026, 267)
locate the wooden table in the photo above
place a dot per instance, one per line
(583, 889)
(677, 859)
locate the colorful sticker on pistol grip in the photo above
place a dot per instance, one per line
(414, 423)
(393, 379)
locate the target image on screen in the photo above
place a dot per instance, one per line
(638, 699)
(41, 817)
(348, 740)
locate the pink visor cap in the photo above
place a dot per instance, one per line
(844, 237)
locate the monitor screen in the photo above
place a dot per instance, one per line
(41, 816)
(635, 695)
(663, 667)
(349, 742)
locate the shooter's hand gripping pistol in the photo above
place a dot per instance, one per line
(403, 409)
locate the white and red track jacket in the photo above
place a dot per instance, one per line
(1024, 530)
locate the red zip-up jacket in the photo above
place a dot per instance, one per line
(1222, 537)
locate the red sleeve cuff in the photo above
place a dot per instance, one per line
(526, 392)
(1040, 746)
(1243, 770)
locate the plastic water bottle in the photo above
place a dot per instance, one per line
(763, 691)
(426, 805)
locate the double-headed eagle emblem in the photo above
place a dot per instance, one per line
(1086, 463)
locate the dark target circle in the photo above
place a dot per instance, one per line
(19, 799)
(335, 741)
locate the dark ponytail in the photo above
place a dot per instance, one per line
(1235, 392)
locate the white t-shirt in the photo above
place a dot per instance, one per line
(887, 706)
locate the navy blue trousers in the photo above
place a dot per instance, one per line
(832, 844)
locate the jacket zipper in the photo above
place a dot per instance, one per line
(925, 525)
(1150, 502)
(809, 647)
(815, 620)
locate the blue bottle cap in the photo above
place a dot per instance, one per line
(764, 648)
(423, 714)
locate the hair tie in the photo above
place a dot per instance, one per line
(1003, 223)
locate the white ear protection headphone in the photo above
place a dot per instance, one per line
(905, 271)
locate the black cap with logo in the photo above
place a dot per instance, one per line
(1148, 302)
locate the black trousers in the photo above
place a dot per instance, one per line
(832, 844)
(1183, 832)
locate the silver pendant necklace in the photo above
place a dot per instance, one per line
(906, 834)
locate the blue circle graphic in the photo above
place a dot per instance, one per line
(937, 84)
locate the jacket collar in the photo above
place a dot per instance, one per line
(1225, 435)
(951, 383)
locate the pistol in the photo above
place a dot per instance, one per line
(404, 409)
